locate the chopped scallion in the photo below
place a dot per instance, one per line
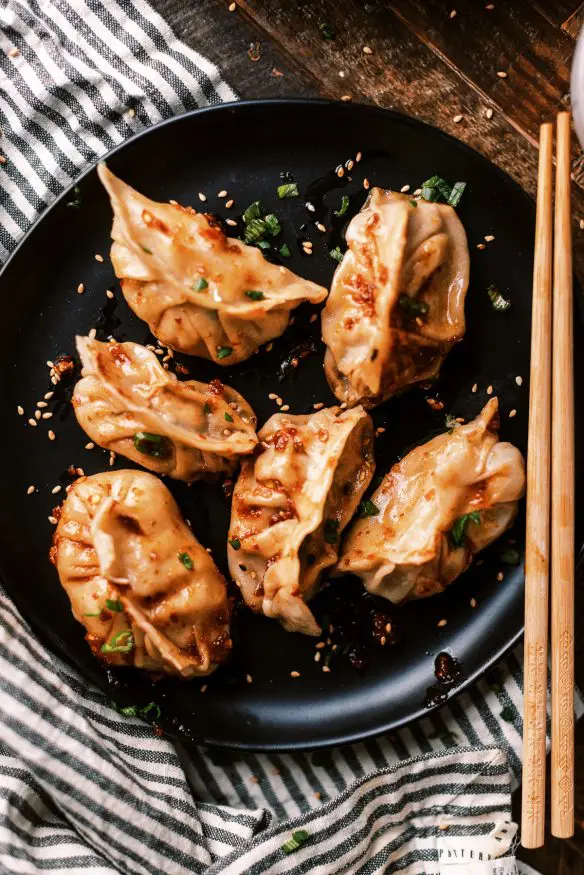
(123, 642)
(254, 296)
(200, 285)
(497, 300)
(114, 605)
(344, 206)
(224, 352)
(289, 189)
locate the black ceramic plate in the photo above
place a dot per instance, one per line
(244, 148)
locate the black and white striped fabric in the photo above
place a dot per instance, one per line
(83, 789)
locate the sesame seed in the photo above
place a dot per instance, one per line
(56, 489)
(20, 410)
(519, 381)
(388, 627)
(30, 490)
(501, 74)
(473, 603)
(3, 159)
(158, 351)
(52, 520)
(489, 238)
(512, 413)
(80, 289)
(382, 640)
(13, 53)
(342, 74)
(380, 431)
(229, 203)
(350, 164)
(285, 408)
(366, 184)
(340, 171)
(37, 414)
(367, 50)
(89, 446)
(131, 112)
(98, 257)
(222, 193)
(249, 679)
(109, 294)
(112, 458)
(453, 13)
(316, 655)
(489, 113)
(232, 7)
(202, 197)
(318, 406)
(307, 250)
(346, 98)
(272, 396)
(294, 674)
(32, 422)
(310, 207)
(313, 318)
(51, 435)
(481, 246)
(226, 432)
(54, 381)
(582, 224)
(489, 6)
(500, 576)
(442, 622)
(489, 390)
(279, 401)
(49, 364)
(231, 222)
(417, 192)
(47, 416)
(48, 395)
(358, 157)
(320, 645)
(269, 346)
(458, 118)
(344, 405)
(204, 688)
(42, 404)
(474, 388)
(321, 227)
(325, 668)
(443, 826)
(405, 188)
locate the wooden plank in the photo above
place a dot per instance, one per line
(574, 24)
(556, 11)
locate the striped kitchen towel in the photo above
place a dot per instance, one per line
(83, 789)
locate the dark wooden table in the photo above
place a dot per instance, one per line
(488, 73)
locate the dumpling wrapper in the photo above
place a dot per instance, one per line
(120, 538)
(125, 391)
(290, 506)
(186, 279)
(406, 551)
(377, 342)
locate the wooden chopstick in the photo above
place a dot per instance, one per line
(538, 512)
(562, 764)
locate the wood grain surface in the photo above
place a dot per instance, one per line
(436, 66)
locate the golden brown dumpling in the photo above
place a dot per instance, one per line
(396, 304)
(148, 594)
(199, 291)
(290, 506)
(438, 506)
(127, 402)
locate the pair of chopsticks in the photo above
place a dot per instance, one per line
(550, 452)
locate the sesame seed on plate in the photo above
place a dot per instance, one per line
(474, 388)
(318, 406)
(453, 13)
(519, 381)
(204, 688)
(489, 390)
(383, 640)
(340, 171)
(489, 6)
(222, 193)
(582, 224)
(313, 318)
(279, 401)
(489, 112)
(52, 520)
(56, 489)
(367, 50)
(232, 7)
(321, 227)
(272, 396)
(42, 404)
(47, 415)
(489, 238)
(13, 53)
(405, 188)
(500, 576)
(30, 490)
(317, 656)
(473, 603)
(37, 414)
(358, 156)
(249, 679)
(112, 458)
(366, 184)
(231, 222)
(89, 446)
(48, 395)
(109, 294)
(20, 410)
(269, 346)
(320, 645)
(131, 112)
(294, 674)
(80, 289)
(51, 435)
(285, 408)
(202, 197)
(350, 164)
(481, 246)
(458, 118)
(229, 203)
(326, 669)
(98, 257)
(501, 74)
(310, 207)
(346, 98)
(512, 413)
(442, 622)
(32, 422)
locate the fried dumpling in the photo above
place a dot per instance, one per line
(290, 506)
(148, 594)
(127, 402)
(199, 291)
(396, 305)
(437, 507)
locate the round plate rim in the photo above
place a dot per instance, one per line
(348, 108)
